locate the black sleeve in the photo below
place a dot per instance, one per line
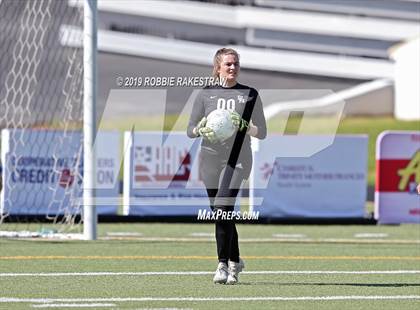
(197, 114)
(258, 118)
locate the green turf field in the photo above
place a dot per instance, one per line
(172, 265)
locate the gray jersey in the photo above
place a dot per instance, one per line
(240, 98)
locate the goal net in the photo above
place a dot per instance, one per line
(41, 118)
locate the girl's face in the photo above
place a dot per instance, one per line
(229, 68)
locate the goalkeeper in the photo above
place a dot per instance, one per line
(225, 165)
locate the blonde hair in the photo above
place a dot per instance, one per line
(218, 59)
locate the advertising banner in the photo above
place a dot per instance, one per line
(329, 184)
(161, 175)
(397, 175)
(43, 171)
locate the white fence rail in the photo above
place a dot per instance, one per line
(328, 100)
(251, 58)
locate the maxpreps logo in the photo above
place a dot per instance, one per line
(156, 163)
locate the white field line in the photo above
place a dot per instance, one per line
(72, 305)
(124, 234)
(201, 234)
(292, 236)
(371, 235)
(268, 240)
(206, 299)
(198, 273)
(277, 238)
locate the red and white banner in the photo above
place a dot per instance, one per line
(397, 175)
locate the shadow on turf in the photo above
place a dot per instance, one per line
(334, 284)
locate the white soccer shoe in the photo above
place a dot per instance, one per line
(234, 270)
(221, 274)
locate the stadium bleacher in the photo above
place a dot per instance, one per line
(330, 38)
(337, 48)
(393, 9)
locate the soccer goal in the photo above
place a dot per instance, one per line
(47, 120)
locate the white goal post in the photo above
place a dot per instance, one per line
(47, 120)
(89, 118)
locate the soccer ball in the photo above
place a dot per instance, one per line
(221, 123)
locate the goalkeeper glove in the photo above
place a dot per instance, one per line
(206, 132)
(201, 124)
(238, 121)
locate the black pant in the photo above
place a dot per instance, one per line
(222, 183)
